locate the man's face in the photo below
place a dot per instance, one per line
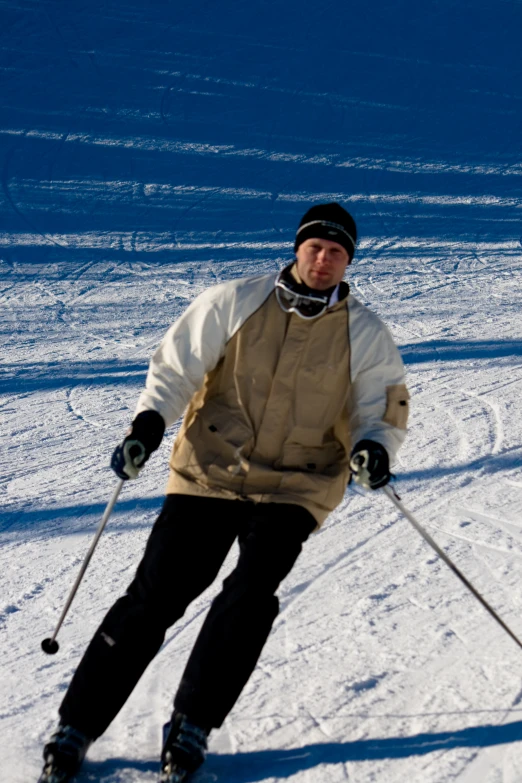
(321, 263)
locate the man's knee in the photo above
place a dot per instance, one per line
(165, 603)
(132, 617)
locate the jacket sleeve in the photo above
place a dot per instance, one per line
(379, 395)
(196, 342)
(192, 347)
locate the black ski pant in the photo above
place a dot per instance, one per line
(184, 553)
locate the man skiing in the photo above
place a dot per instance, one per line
(279, 377)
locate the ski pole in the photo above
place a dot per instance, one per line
(50, 646)
(389, 492)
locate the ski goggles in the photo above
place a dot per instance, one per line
(305, 305)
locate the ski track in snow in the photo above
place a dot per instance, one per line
(147, 153)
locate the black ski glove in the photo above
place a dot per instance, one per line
(143, 437)
(370, 464)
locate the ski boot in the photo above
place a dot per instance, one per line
(184, 749)
(63, 755)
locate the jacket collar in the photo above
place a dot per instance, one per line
(337, 294)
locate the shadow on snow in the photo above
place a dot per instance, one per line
(22, 378)
(259, 765)
(21, 519)
(510, 459)
(459, 350)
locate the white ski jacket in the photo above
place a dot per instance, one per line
(275, 402)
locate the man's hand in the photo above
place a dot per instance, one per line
(370, 464)
(143, 437)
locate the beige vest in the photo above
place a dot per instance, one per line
(271, 421)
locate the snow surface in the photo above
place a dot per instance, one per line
(151, 149)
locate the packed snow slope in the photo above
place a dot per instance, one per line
(149, 150)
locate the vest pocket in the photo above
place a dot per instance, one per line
(305, 452)
(397, 406)
(212, 445)
(220, 435)
(225, 424)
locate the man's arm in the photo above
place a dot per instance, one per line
(380, 399)
(191, 348)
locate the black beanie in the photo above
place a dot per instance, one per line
(328, 221)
